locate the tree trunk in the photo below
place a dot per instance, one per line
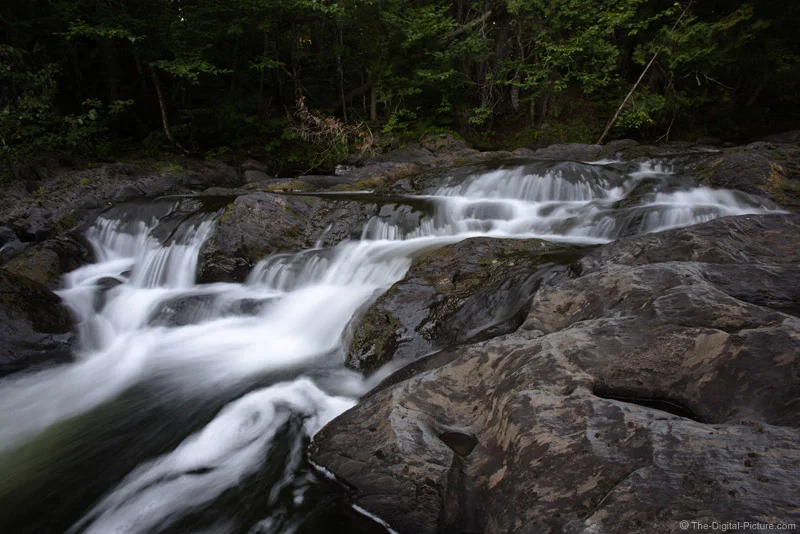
(340, 68)
(373, 104)
(757, 92)
(163, 108)
(295, 74)
(261, 77)
(108, 51)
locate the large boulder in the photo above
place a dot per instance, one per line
(477, 287)
(258, 224)
(35, 329)
(252, 227)
(759, 169)
(570, 151)
(66, 197)
(659, 384)
(47, 262)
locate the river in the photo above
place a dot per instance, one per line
(189, 406)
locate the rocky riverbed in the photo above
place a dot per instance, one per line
(597, 378)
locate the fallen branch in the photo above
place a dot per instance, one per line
(635, 85)
(453, 35)
(625, 101)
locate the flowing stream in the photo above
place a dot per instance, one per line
(189, 407)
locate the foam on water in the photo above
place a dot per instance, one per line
(569, 203)
(230, 448)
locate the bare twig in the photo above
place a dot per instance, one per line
(666, 135)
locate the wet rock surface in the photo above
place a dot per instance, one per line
(570, 151)
(659, 383)
(478, 287)
(251, 227)
(766, 169)
(34, 326)
(654, 380)
(47, 262)
(257, 224)
(68, 197)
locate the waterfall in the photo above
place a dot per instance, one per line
(569, 202)
(271, 348)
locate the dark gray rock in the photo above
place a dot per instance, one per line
(68, 197)
(759, 169)
(34, 326)
(620, 144)
(658, 384)
(257, 224)
(47, 262)
(478, 287)
(115, 170)
(252, 227)
(791, 137)
(193, 309)
(443, 143)
(10, 245)
(255, 165)
(324, 181)
(252, 175)
(182, 311)
(570, 151)
(337, 220)
(409, 155)
(709, 141)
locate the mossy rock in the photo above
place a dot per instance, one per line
(479, 287)
(47, 262)
(769, 172)
(34, 325)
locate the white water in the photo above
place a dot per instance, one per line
(569, 203)
(206, 464)
(300, 305)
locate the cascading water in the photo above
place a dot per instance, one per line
(185, 398)
(570, 202)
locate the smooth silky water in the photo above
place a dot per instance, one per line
(189, 407)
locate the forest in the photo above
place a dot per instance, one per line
(308, 81)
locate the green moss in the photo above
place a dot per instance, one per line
(293, 186)
(168, 166)
(374, 341)
(369, 184)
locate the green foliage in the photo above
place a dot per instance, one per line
(169, 166)
(480, 116)
(219, 77)
(400, 121)
(80, 28)
(641, 109)
(190, 68)
(218, 153)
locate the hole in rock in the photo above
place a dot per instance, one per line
(461, 443)
(652, 401)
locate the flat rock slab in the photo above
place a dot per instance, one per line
(659, 384)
